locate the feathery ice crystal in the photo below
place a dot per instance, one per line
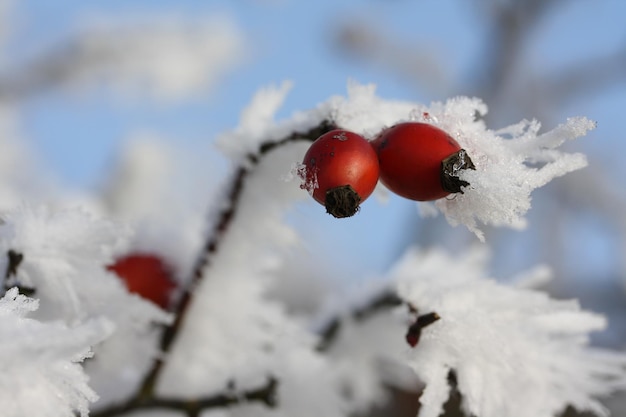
(41, 374)
(64, 257)
(510, 162)
(514, 352)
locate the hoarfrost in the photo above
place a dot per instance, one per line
(65, 253)
(257, 123)
(510, 163)
(500, 341)
(41, 374)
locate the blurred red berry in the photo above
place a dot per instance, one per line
(146, 275)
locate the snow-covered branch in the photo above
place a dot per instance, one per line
(501, 341)
(220, 228)
(193, 407)
(41, 373)
(224, 337)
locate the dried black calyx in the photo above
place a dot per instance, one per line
(342, 201)
(450, 169)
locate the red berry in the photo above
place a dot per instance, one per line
(420, 161)
(341, 171)
(146, 275)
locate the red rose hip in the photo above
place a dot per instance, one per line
(340, 171)
(420, 162)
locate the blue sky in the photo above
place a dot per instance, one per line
(78, 135)
(289, 40)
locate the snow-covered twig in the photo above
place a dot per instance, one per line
(265, 394)
(384, 300)
(501, 341)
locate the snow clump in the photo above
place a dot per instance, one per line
(513, 351)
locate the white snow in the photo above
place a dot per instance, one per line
(65, 255)
(499, 340)
(40, 374)
(510, 162)
(516, 352)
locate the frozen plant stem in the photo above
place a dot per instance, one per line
(145, 396)
(192, 408)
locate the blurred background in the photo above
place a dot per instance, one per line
(80, 81)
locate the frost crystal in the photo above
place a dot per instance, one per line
(515, 352)
(40, 374)
(65, 253)
(257, 124)
(510, 163)
(307, 182)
